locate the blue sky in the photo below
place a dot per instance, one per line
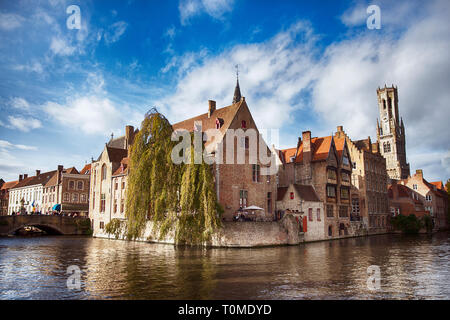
(304, 65)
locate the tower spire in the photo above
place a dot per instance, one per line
(237, 90)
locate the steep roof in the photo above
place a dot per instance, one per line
(438, 185)
(115, 154)
(281, 191)
(42, 179)
(72, 170)
(118, 143)
(364, 144)
(123, 168)
(86, 169)
(306, 192)
(320, 148)
(9, 185)
(340, 144)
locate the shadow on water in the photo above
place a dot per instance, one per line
(412, 267)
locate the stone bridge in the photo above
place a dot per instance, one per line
(50, 224)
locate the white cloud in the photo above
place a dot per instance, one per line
(23, 124)
(8, 145)
(19, 103)
(90, 114)
(34, 67)
(115, 31)
(10, 21)
(215, 8)
(60, 46)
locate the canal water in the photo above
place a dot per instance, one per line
(411, 267)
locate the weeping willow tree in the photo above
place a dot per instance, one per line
(177, 197)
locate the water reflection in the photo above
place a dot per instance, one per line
(414, 267)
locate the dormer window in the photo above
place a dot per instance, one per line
(244, 124)
(219, 123)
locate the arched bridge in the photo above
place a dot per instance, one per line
(50, 224)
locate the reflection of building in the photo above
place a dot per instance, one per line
(305, 205)
(434, 199)
(319, 163)
(391, 134)
(369, 178)
(69, 190)
(4, 195)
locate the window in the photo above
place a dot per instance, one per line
(428, 197)
(344, 193)
(310, 214)
(345, 177)
(345, 160)
(330, 231)
(415, 186)
(245, 142)
(330, 213)
(102, 225)
(66, 197)
(331, 174)
(318, 214)
(115, 206)
(93, 200)
(83, 198)
(74, 197)
(269, 202)
(243, 196)
(243, 124)
(354, 165)
(80, 185)
(123, 185)
(116, 185)
(331, 191)
(71, 185)
(256, 172)
(343, 211)
(355, 207)
(122, 202)
(292, 195)
(387, 147)
(104, 172)
(102, 202)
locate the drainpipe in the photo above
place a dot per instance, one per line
(111, 200)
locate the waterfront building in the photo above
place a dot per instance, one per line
(4, 195)
(103, 176)
(370, 203)
(119, 184)
(26, 196)
(303, 203)
(67, 192)
(405, 201)
(317, 162)
(435, 201)
(391, 134)
(237, 185)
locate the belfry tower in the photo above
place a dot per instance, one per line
(391, 134)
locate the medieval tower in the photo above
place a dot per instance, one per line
(391, 134)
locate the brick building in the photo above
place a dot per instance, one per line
(391, 136)
(103, 176)
(434, 200)
(4, 195)
(369, 178)
(317, 162)
(405, 201)
(67, 192)
(237, 185)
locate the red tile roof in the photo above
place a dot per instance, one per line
(86, 169)
(438, 184)
(320, 148)
(123, 168)
(9, 185)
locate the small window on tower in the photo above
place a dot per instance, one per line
(244, 124)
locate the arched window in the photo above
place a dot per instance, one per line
(104, 172)
(387, 147)
(330, 231)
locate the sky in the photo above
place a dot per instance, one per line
(303, 65)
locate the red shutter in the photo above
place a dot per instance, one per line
(305, 224)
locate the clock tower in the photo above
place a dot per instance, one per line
(391, 134)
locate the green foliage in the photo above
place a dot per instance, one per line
(407, 224)
(174, 197)
(85, 225)
(116, 227)
(427, 223)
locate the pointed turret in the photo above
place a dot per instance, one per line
(237, 90)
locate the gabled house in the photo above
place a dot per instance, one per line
(318, 162)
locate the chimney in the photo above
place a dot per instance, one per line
(129, 137)
(59, 173)
(419, 173)
(306, 137)
(299, 142)
(20, 177)
(38, 172)
(340, 131)
(25, 175)
(211, 107)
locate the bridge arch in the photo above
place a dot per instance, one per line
(49, 229)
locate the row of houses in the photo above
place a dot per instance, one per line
(335, 187)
